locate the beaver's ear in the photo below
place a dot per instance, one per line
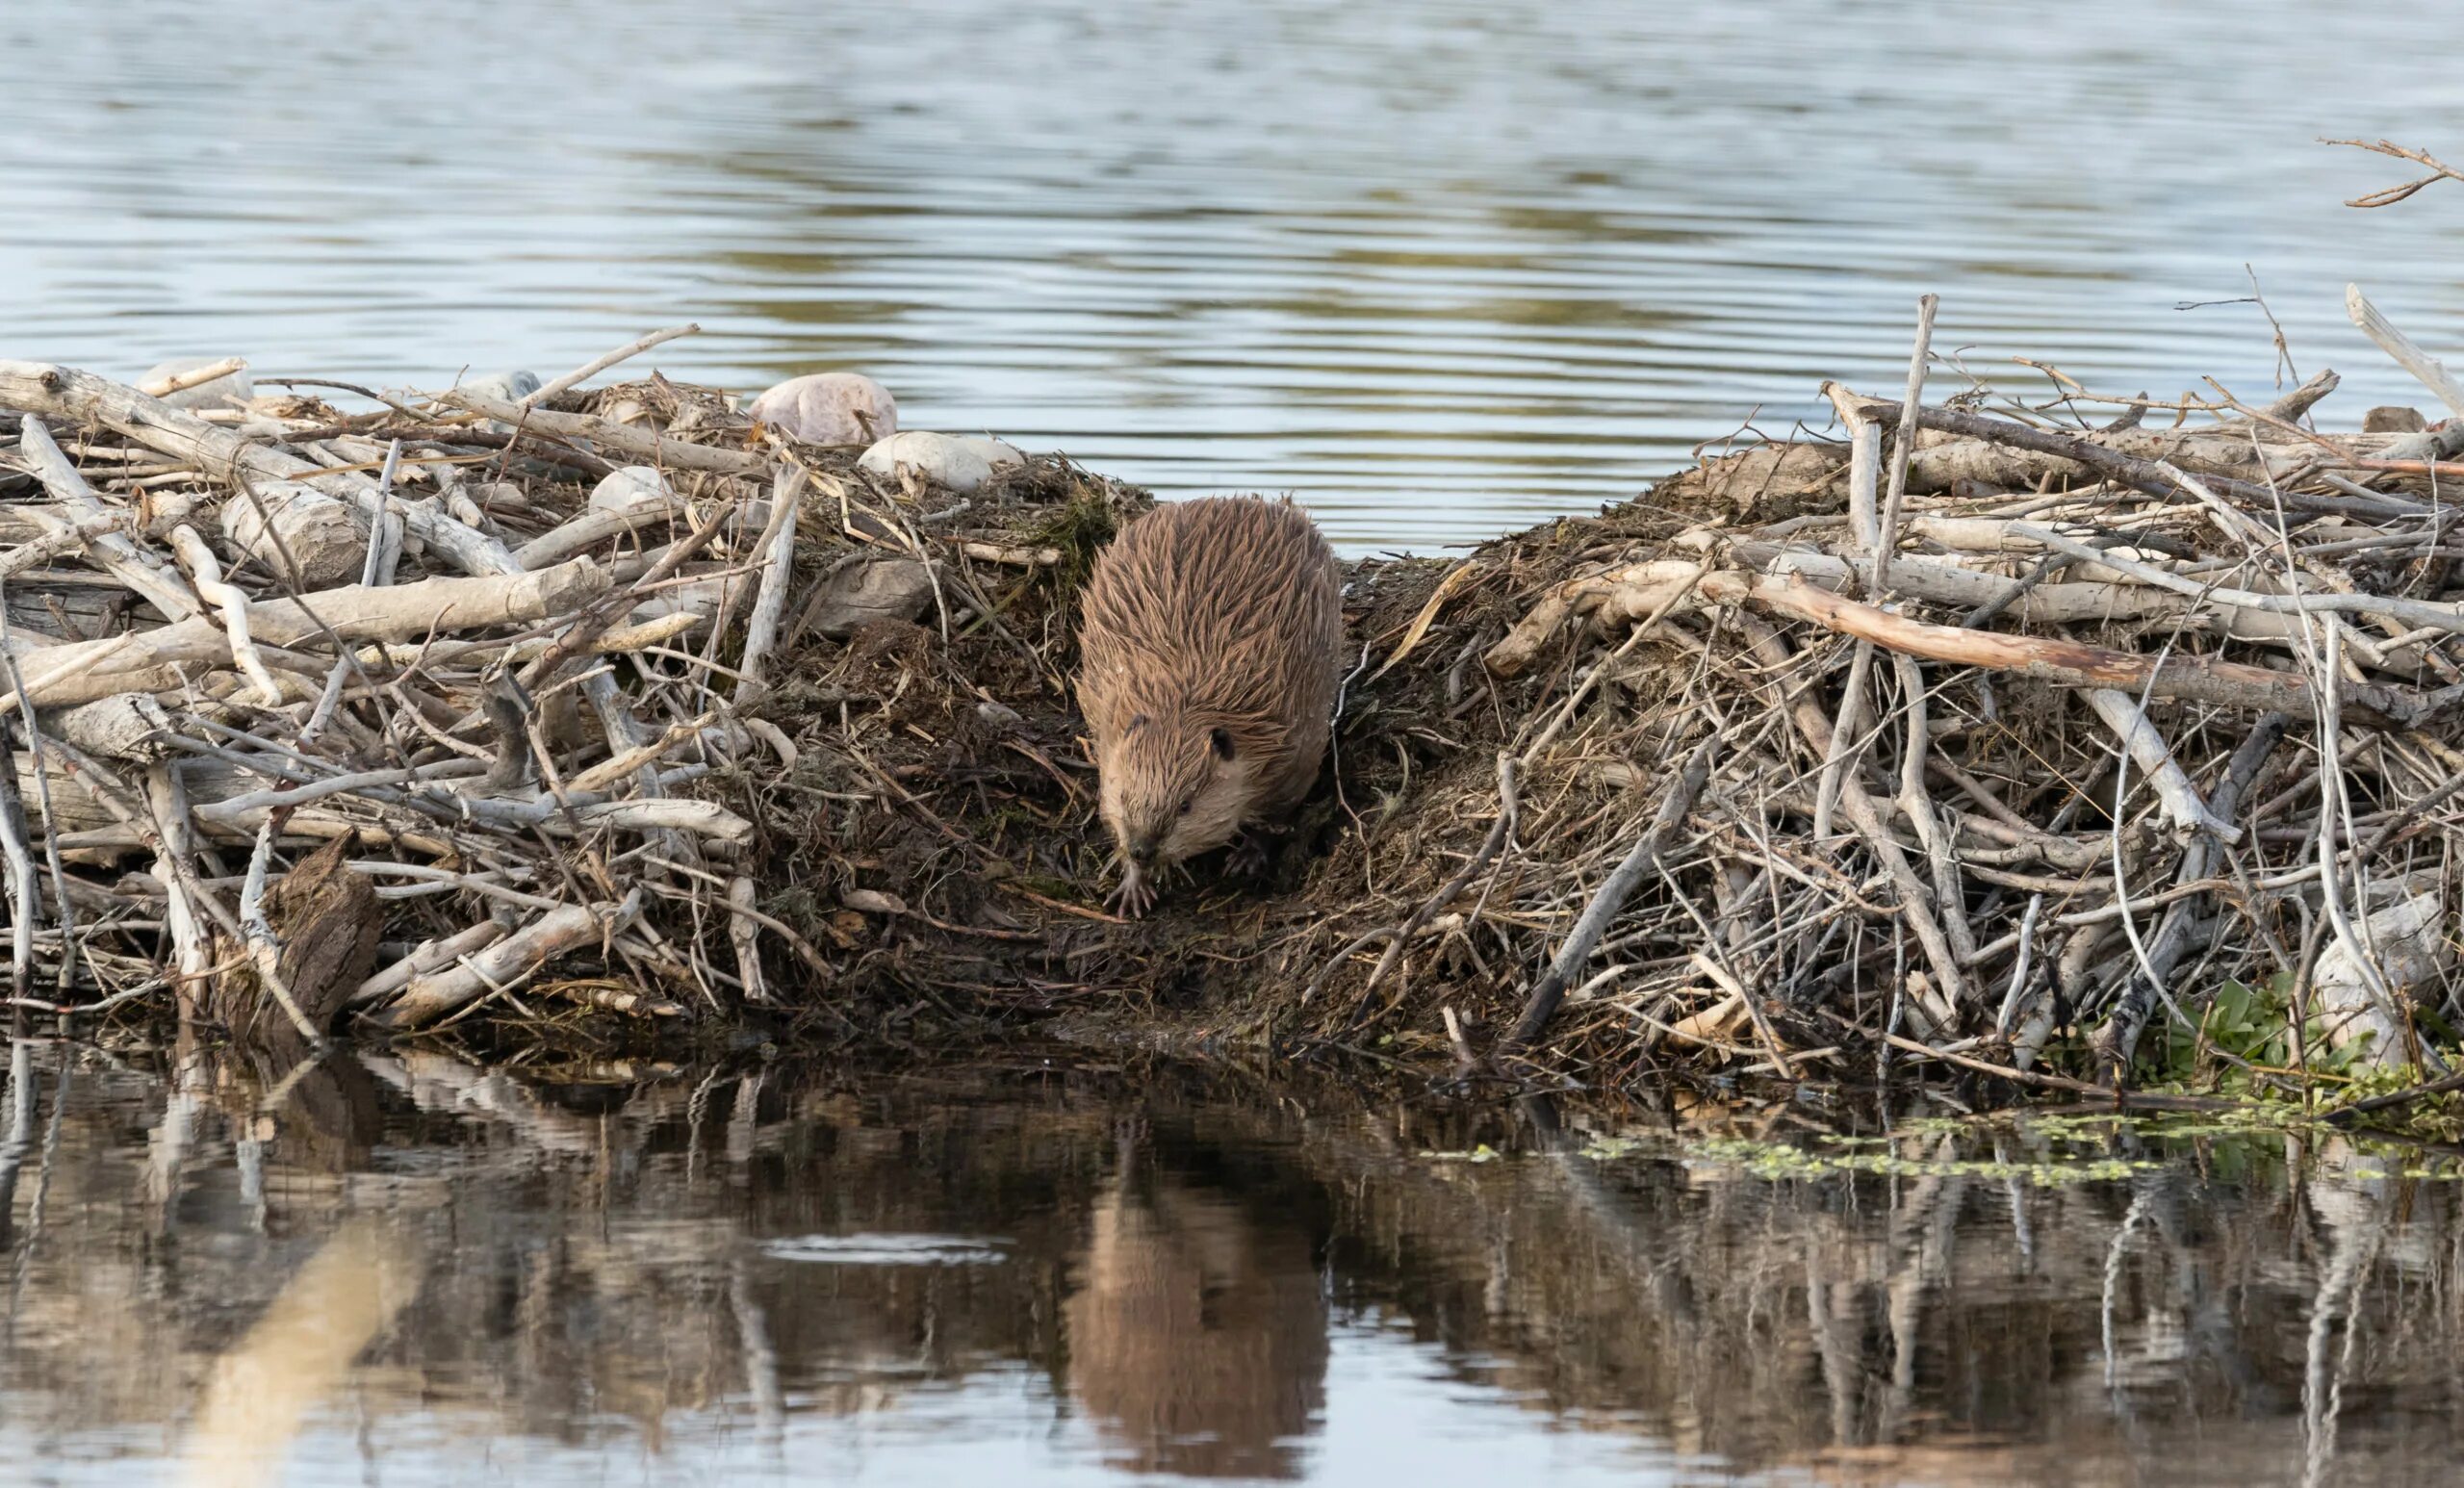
(1222, 739)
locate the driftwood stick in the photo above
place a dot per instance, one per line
(263, 948)
(194, 378)
(25, 897)
(205, 571)
(2183, 805)
(2149, 476)
(1887, 533)
(597, 364)
(770, 602)
(653, 449)
(174, 841)
(1866, 526)
(429, 956)
(131, 565)
(744, 932)
(1580, 943)
(2075, 663)
(35, 387)
(439, 994)
(2412, 612)
(2408, 355)
(86, 669)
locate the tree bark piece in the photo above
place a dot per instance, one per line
(325, 921)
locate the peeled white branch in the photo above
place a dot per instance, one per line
(206, 573)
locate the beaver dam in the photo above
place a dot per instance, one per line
(2077, 739)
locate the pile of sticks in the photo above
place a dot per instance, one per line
(283, 683)
(1999, 718)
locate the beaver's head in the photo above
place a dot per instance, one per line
(1175, 784)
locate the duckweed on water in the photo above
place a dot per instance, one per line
(1780, 1160)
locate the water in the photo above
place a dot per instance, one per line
(1443, 267)
(405, 1269)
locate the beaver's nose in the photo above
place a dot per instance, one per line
(1145, 851)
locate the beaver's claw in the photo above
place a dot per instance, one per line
(1134, 896)
(1252, 854)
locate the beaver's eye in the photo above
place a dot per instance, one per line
(1185, 807)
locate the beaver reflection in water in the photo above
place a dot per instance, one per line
(1197, 1338)
(1211, 653)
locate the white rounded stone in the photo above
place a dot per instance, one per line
(999, 454)
(828, 408)
(630, 486)
(510, 387)
(938, 458)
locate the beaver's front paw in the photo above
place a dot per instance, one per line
(1134, 896)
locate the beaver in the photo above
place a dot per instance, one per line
(1210, 656)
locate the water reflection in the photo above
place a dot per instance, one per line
(403, 1269)
(1197, 1331)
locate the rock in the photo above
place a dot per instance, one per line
(319, 532)
(939, 458)
(872, 901)
(999, 454)
(828, 408)
(2395, 418)
(630, 487)
(510, 387)
(2406, 930)
(883, 589)
(229, 389)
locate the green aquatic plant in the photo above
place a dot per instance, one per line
(2254, 1025)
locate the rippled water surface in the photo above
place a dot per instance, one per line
(1441, 268)
(405, 1269)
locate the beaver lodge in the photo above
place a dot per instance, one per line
(2076, 739)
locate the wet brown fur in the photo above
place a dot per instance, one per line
(1211, 650)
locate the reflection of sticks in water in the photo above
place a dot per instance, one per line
(21, 1128)
(299, 1350)
(761, 1359)
(42, 1187)
(2338, 1297)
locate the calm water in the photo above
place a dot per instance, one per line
(1442, 266)
(402, 1270)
